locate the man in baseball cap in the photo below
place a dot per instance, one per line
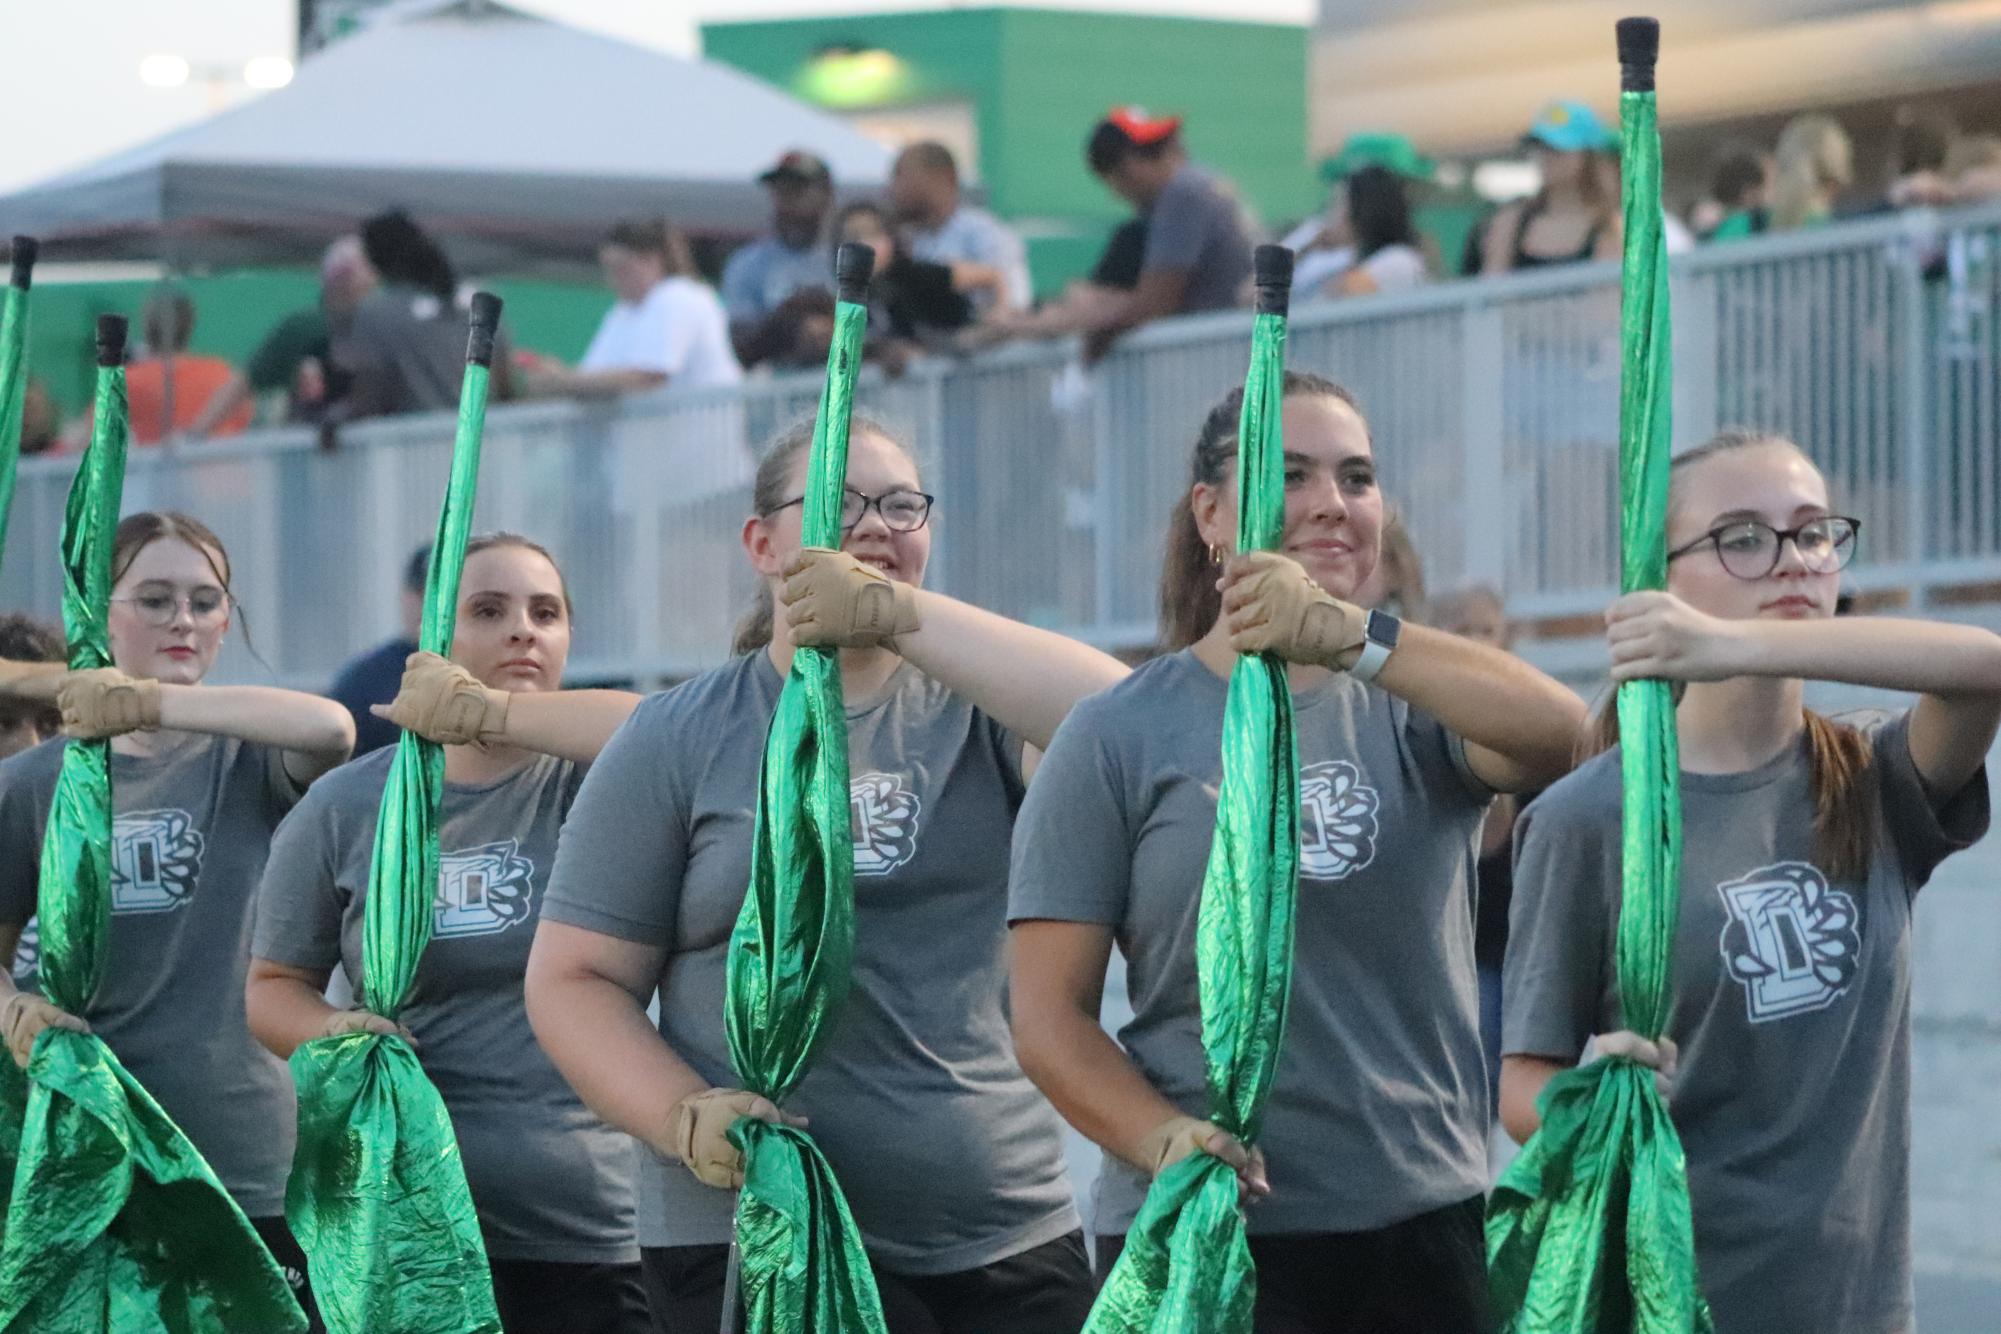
(768, 284)
(1198, 236)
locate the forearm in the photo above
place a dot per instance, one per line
(601, 384)
(597, 1034)
(572, 725)
(1924, 657)
(226, 400)
(1490, 698)
(1523, 1079)
(1026, 678)
(285, 1013)
(318, 733)
(1089, 1079)
(37, 681)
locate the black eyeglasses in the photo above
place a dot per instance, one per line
(901, 510)
(1750, 549)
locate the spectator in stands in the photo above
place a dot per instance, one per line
(41, 421)
(1974, 168)
(405, 349)
(1323, 246)
(1085, 303)
(1675, 234)
(1571, 219)
(1815, 166)
(25, 722)
(375, 676)
(773, 285)
(1373, 219)
(1924, 140)
(1198, 237)
(913, 299)
(938, 227)
(168, 379)
(667, 326)
(1739, 189)
(295, 357)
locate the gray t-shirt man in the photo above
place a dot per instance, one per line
(1198, 225)
(191, 827)
(1379, 1111)
(1791, 1009)
(949, 1157)
(551, 1181)
(977, 236)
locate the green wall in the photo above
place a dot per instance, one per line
(1039, 79)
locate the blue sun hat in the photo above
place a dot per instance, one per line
(1569, 126)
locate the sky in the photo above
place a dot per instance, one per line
(73, 94)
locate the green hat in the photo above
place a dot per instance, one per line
(1378, 148)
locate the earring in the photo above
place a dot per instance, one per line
(1215, 554)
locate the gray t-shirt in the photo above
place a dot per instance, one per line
(191, 827)
(1791, 1009)
(551, 1180)
(1379, 1111)
(1198, 225)
(949, 1157)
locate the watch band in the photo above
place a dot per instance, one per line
(1380, 634)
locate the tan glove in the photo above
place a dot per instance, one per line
(23, 1018)
(833, 600)
(1179, 1136)
(1271, 604)
(106, 702)
(698, 1132)
(342, 1022)
(443, 702)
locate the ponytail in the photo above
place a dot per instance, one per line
(1189, 600)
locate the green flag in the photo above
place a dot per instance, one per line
(1590, 1227)
(13, 370)
(1186, 1267)
(113, 1221)
(804, 1270)
(378, 1196)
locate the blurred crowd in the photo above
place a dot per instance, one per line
(387, 335)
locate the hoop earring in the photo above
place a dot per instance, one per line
(1215, 554)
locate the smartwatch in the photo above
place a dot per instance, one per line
(1379, 639)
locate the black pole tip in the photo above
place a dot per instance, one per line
(111, 331)
(25, 250)
(854, 265)
(1271, 271)
(485, 324)
(1639, 50)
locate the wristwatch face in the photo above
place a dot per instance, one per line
(1383, 628)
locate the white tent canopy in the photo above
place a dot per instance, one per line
(518, 139)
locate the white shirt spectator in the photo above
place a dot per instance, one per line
(679, 330)
(977, 236)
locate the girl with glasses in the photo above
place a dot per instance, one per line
(1787, 1057)
(200, 777)
(552, 1182)
(950, 1160)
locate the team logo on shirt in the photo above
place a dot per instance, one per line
(483, 890)
(1791, 940)
(28, 950)
(1337, 820)
(882, 815)
(155, 861)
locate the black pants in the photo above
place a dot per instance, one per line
(284, 1248)
(1046, 1290)
(548, 1297)
(1425, 1275)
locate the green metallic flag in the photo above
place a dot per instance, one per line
(804, 1270)
(378, 1196)
(13, 370)
(1590, 1229)
(113, 1221)
(1186, 1267)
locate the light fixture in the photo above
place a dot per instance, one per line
(267, 72)
(848, 74)
(164, 70)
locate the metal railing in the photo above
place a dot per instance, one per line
(1493, 406)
